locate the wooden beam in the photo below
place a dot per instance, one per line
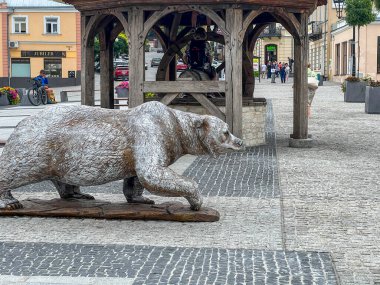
(168, 98)
(136, 58)
(234, 76)
(209, 106)
(184, 86)
(87, 68)
(300, 91)
(106, 69)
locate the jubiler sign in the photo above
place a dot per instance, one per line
(42, 53)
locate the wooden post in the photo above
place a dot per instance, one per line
(300, 119)
(88, 70)
(106, 69)
(136, 57)
(234, 67)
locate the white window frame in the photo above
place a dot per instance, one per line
(14, 23)
(58, 25)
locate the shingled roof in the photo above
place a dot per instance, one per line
(102, 4)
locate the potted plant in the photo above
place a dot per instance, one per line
(122, 90)
(355, 90)
(9, 96)
(372, 98)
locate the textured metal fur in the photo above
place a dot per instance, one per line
(77, 146)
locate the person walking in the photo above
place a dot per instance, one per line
(263, 70)
(269, 70)
(283, 74)
(273, 72)
(287, 71)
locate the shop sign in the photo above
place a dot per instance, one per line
(42, 53)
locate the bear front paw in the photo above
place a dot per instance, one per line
(195, 203)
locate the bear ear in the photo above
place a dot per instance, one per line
(199, 122)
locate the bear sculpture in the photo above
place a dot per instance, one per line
(77, 146)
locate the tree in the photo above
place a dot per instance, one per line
(359, 13)
(377, 4)
(120, 46)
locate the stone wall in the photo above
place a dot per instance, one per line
(253, 120)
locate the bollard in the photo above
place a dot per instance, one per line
(63, 95)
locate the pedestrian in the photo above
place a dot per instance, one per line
(277, 67)
(273, 72)
(283, 74)
(287, 71)
(269, 70)
(312, 86)
(263, 70)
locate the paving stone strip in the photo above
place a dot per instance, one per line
(167, 265)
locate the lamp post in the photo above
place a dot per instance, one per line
(339, 6)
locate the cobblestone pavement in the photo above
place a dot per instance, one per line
(167, 265)
(331, 193)
(298, 216)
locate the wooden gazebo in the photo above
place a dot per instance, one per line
(236, 24)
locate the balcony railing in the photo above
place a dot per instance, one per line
(315, 31)
(271, 32)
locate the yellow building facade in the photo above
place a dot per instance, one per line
(39, 35)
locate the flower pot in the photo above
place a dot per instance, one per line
(372, 100)
(4, 100)
(122, 92)
(355, 92)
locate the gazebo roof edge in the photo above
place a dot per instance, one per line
(85, 5)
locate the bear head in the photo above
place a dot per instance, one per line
(215, 137)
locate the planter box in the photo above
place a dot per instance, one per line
(4, 100)
(122, 92)
(355, 92)
(372, 100)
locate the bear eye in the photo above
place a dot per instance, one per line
(226, 133)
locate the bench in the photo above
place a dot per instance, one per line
(117, 104)
(64, 97)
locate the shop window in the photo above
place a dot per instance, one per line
(337, 59)
(20, 24)
(344, 58)
(20, 67)
(53, 67)
(52, 25)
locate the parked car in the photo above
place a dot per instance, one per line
(146, 66)
(181, 66)
(155, 61)
(121, 62)
(121, 72)
(160, 50)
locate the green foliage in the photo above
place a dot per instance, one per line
(359, 12)
(377, 4)
(343, 87)
(149, 95)
(120, 46)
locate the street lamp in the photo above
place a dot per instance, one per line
(339, 4)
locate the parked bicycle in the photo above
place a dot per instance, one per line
(37, 93)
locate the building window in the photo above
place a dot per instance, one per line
(53, 67)
(378, 55)
(20, 67)
(337, 59)
(344, 58)
(52, 25)
(20, 24)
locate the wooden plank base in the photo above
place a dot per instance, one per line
(74, 208)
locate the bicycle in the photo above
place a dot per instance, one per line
(37, 94)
